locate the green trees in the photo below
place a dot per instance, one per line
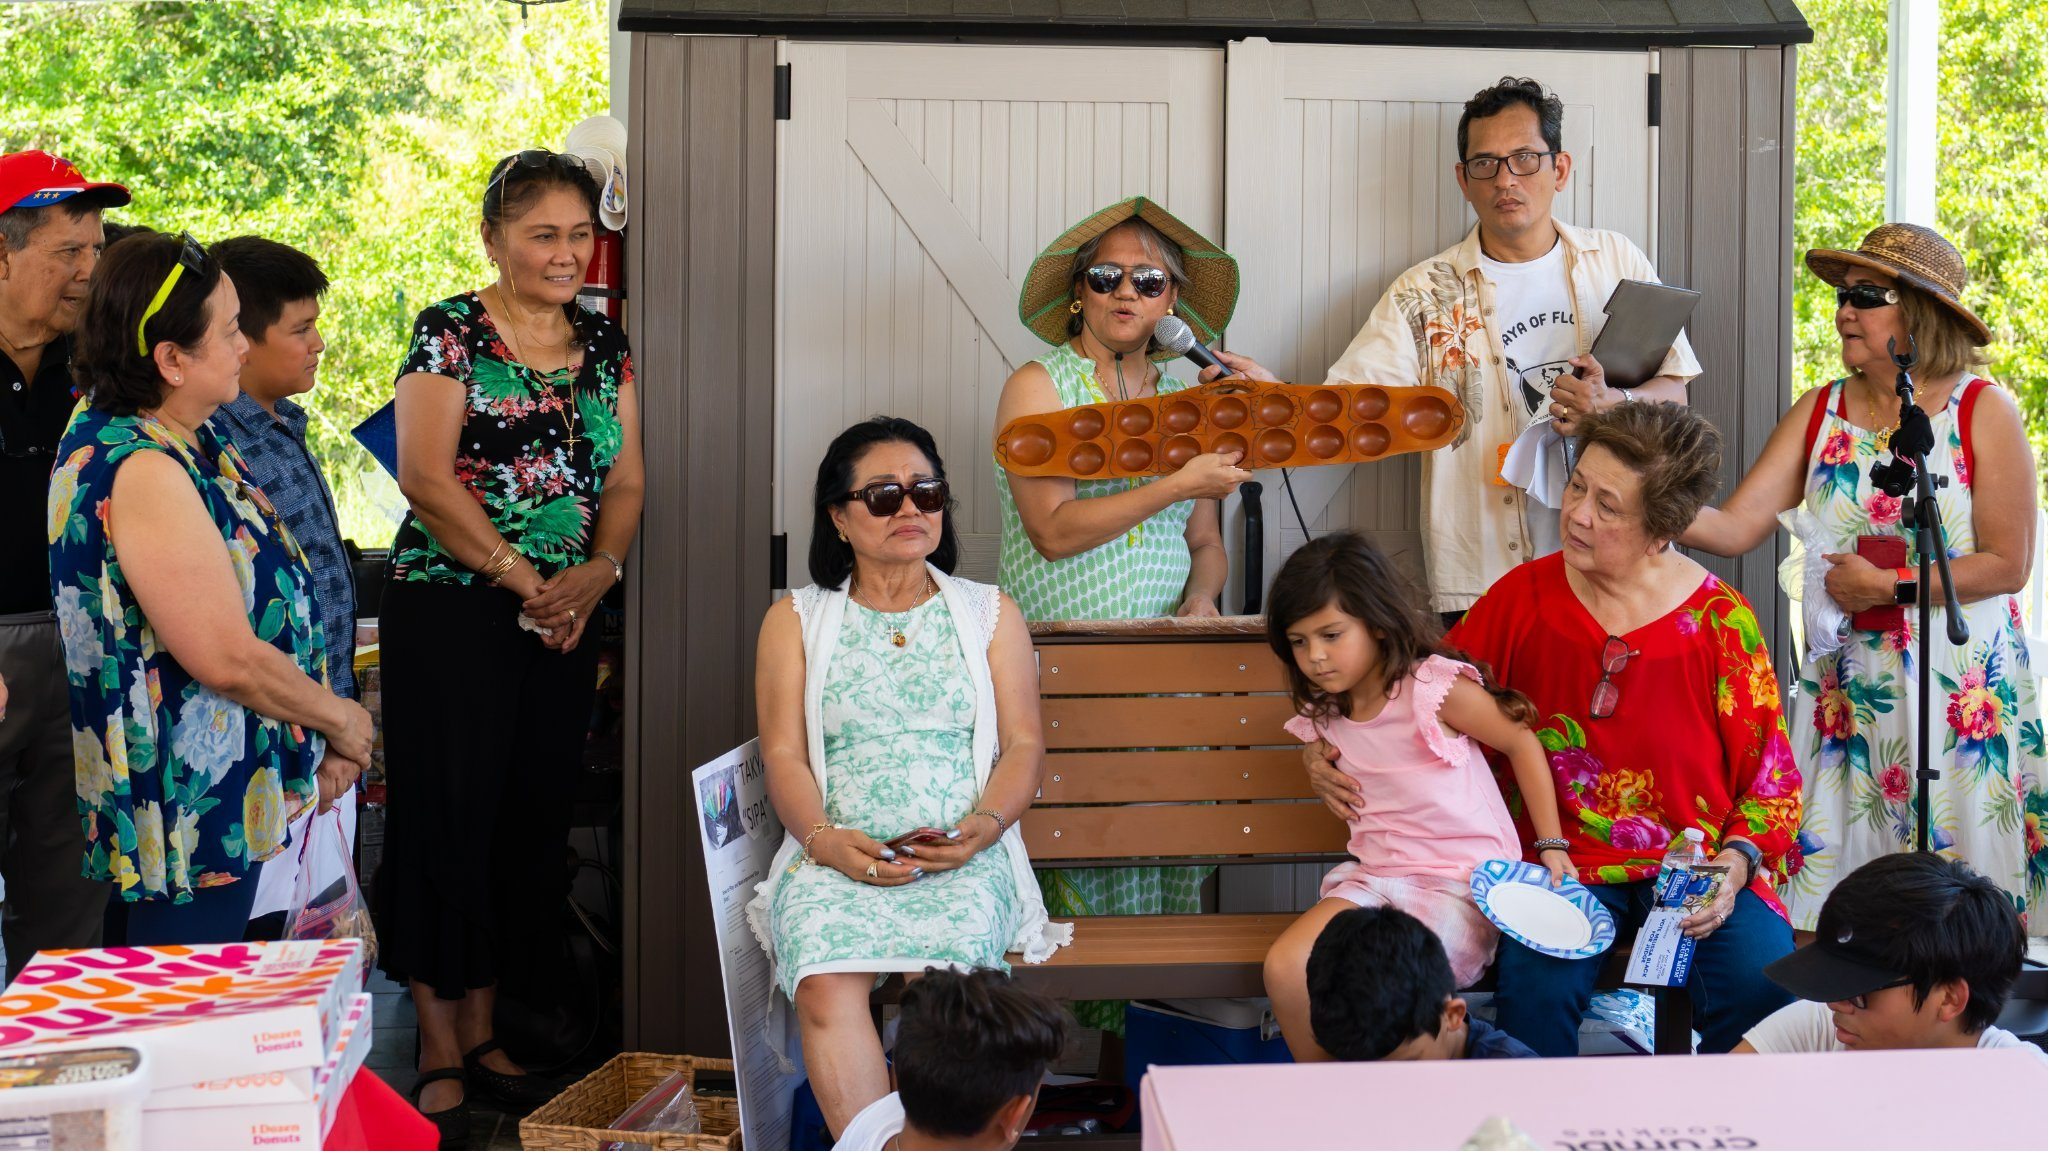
(1991, 191)
(359, 130)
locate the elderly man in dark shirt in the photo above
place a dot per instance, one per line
(50, 240)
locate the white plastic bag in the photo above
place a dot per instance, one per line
(1803, 575)
(338, 910)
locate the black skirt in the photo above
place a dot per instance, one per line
(483, 737)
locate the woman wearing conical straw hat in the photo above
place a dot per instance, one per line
(1854, 739)
(1116, 548)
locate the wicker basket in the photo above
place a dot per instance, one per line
(575, 1120)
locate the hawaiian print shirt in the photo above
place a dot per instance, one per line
(178, 787)
(1435, 326)
(1697, 737)
(516, 454)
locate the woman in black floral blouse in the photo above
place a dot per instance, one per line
(519, 451)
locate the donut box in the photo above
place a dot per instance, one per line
(1274, 425)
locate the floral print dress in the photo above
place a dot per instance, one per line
(535, 447)
(1697, 737)
(899, 748)
(179, 788)
(1857, 740)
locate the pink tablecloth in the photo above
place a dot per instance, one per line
(1865, 1101)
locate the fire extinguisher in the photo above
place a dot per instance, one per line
(604, 284)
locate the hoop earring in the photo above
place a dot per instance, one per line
(1074, 308)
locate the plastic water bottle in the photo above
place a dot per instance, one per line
(1687, 853)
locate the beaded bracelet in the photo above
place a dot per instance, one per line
(1543, 845)
(1002, 825)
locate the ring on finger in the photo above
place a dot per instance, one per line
(873, 873)
(572, 615)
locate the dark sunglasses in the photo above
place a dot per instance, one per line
(886, 498)
(532, 160)
(1866, 296)
(1613, 658)
(191, 258)
(1102, 279)
(1862, 1002)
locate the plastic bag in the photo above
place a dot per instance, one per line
(669, 1109)
(337, 910)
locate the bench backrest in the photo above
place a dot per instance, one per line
(1164, 742)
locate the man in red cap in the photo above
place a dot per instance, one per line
(50, 240)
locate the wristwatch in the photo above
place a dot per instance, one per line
(1750, 854)
(1907, 590)
(618, 569)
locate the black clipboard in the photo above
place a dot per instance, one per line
(1643, 320)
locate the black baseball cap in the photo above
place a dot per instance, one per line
(1835, 966)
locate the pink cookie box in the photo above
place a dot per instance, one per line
(204, 1012)
(296, 1086)
(233, 1125)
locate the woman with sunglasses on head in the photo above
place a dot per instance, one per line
(899, 724)
(519, 452)
(202, 720)
(1856, 737)
(1659, 713)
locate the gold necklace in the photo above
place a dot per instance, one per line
(567, 409)
(900, 638)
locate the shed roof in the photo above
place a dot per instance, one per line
(1609, 24)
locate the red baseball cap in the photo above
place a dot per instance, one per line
(37, 179)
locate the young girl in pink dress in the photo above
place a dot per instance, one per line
(1400, 717)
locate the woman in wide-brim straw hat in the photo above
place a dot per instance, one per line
(1116, 548)
(1855, 740)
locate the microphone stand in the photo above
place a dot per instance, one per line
(1906, 476)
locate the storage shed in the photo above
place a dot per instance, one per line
(835, 201)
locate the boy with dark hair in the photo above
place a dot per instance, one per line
(1380, 987)
(280, 288)
(970, 1052)
(1911, 951)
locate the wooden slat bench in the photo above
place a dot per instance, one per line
(1196, 770)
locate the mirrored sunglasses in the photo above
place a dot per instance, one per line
(1102, 279)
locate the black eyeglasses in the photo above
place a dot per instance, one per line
(1613, 658)
(191, 258)
(531, 160)
(886, 498)
(1102, 279)
(1864, 297)
(1520, 163)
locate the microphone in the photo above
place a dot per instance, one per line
(1175, 336)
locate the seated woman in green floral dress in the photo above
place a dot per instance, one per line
(893, 698)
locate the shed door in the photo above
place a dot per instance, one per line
(917, 183)
(1340, 178)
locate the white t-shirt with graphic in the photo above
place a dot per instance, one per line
(1808, 1026)
(1533, 304)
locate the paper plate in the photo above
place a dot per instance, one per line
(1566, 921)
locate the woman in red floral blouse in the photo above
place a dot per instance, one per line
(1661, 714)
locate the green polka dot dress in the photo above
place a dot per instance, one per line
(1141, 574)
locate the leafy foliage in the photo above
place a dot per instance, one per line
(359, 130)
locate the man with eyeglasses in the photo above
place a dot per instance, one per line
(1504, 318)
(50, 241)
(1910, 951)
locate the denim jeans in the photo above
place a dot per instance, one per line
(1542, 998)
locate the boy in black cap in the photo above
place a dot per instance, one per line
(1911, 951)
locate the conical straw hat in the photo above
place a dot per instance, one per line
(1205, 303)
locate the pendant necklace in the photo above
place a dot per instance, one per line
(567, 409)
(899, 636)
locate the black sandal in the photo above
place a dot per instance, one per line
(453, 1123)
(521, 1093)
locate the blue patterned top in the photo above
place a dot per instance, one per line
(279, 462)
(179, 788)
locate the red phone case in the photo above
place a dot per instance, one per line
(1884, 553)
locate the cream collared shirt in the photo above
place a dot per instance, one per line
(1435, 325)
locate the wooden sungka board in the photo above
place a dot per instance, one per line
(1274, 425)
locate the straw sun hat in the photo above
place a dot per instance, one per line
(1205, 303)
(1913, 255)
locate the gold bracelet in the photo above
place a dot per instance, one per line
(492, 559)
